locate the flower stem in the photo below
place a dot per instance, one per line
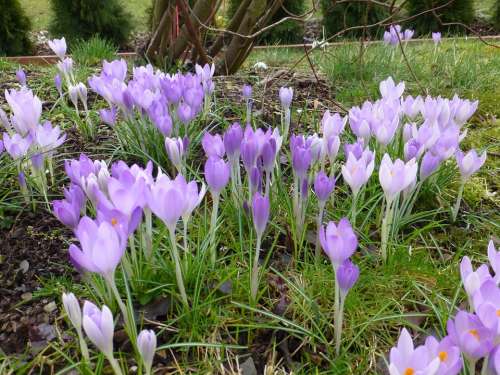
(255, 270)
(338, 325)
(178, 270)
(386, 224)
(457, 203)
(213, 227)
(83, 345)
(317, 254)
(114, 364)
(336, 305)
(484, 369)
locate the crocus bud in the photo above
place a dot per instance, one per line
(469, 163)
(37, 160)
(429, 164)
(255, 179)
(82, 93)
(436, 37)
(323, 186)
(72, 308)
(213, 145)
(108, 116)
(232, 141)
(21, 77)
(216, 174)
(58, 46)
(185, 113)
(146, 344)
(286, 95)
(268, 154)
(67, 213)
(347, 275)
(175, 151)
(99, 327)
(73, 95)
(260, 212)
(338, 241)
(246, 91)
(58, 83)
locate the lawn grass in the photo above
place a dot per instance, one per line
(40, 13)
(419, 288)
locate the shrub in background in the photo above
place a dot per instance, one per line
(496, 16)
(83, 19)
(337, 17)
(93, 51)
(290, 31)
(458, 11)
(14, 28)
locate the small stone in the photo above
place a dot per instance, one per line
(50, 307)
(24, 266)
(28, 296)
(248, 367)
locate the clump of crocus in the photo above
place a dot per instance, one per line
(468, 164)
(340, 242)
(260, 214)
(394, 178)
(146, 345)
(99, 327)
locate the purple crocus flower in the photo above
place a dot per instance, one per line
(185, 113)
(347, 274)
(357, 171)
(2, 148)
(48, 137)
(470, 335)
(102, 247)
(21, 76)
(59, 47)
(168, 199)
(146, 345)
(116, 69)
(246, 92)
(450, 360)
(408, 34)
(359, 120)
(472, 280)
(396, 176)
(338, 241)
(487, 306)
(58, 84)
(332, 125)
(175, 151)
(413, 150)
(429, 164)
(66, 212)
(436, 37)
(286, 95)
(216, 173)
(405, 359)
(268, 155)
(469, 163)
(323, 186)
(412, 106)
(462, 109)
(65, 66)
(99, 327)
(26, 109)
(17, 146)
(249, 151)
(213, 145)
(260, 212)
(108, 116)
(232, 141)
(389, 89)
(301, 155)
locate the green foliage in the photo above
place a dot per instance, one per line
(93, 51)
(14, 28)
(461, 11)
(337, 17)
(496, 16)
(290, 31)
(82, 19)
